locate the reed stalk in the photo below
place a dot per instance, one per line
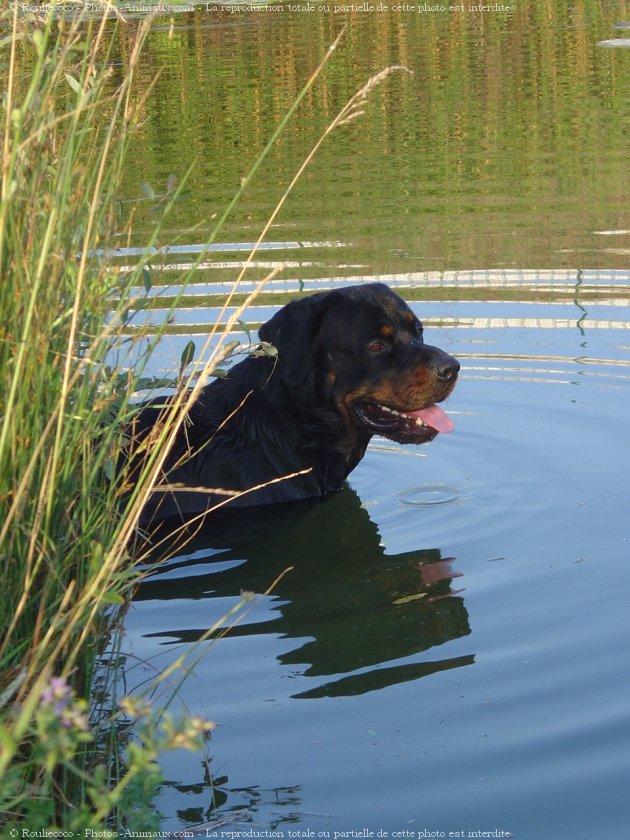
(68, 511)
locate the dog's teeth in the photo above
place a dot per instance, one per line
(419, 422)
(391, 410)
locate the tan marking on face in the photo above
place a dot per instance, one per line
(415, 389)
(386, 331)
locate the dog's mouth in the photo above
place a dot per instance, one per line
(417, 426)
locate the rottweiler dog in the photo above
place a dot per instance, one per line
(351, 363)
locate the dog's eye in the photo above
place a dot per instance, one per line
(377, 347)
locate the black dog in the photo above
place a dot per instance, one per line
(351, 363)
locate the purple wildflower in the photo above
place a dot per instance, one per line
(60, 697)
(57, 691)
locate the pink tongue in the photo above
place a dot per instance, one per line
(436, 418)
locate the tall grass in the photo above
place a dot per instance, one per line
(67, 514)
(64, 141)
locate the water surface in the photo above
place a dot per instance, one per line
(447, 652)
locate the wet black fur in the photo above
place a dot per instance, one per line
(292, 417)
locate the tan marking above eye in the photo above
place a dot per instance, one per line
(410, 317)
(387, 331)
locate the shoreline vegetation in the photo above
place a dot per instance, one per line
(75, 753)
(66, 513)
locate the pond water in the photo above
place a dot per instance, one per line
(447, 651)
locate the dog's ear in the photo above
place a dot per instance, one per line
(290, 331)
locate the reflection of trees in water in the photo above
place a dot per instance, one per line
(507, 125)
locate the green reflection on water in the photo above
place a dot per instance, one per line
(507, 147)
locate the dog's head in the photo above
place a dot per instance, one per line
(361, 349)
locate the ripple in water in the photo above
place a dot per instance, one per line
(428, 495)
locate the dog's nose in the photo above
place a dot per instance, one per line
(446, 367)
